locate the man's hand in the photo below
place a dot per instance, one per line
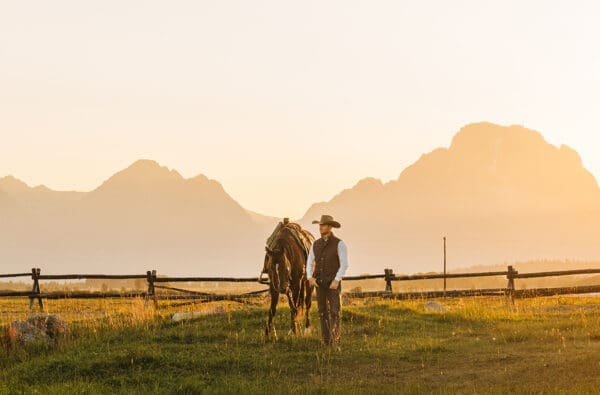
(312, 282)
(334, 284)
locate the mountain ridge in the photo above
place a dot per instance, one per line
(499, 193)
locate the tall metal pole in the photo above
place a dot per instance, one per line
(444, 264)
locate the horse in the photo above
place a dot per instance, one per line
(285, 264)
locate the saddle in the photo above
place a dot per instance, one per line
(303, 237)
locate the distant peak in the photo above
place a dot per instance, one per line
(144, 164)
(487, 133)
(11, 179)
(142, 172)
(363, 188)
(149, 162)
(200, 178)
(10, 183)
(204, 182)
(571, 154)
(368, 183)
(149, 167)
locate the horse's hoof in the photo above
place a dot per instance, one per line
(270, 331)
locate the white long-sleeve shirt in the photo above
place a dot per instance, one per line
(343, 255)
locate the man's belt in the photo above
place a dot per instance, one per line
(324, 283)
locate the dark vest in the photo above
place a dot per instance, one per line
(327, 261)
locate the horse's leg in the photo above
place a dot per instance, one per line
(292, 301)
(300, 298)
(272, 310)
(307, 304)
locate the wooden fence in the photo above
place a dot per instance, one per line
(169, 292)
(510, 292)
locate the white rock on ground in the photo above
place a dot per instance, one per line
(435, 306)
(198, 314)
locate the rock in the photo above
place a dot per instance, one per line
(435, 306)
(22, 332)
(197, 314)
(54, 326)
(40, 328)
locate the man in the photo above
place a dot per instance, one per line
(326, 265)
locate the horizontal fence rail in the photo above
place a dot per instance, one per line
(89, 295)
(90, 276)
(206, 279)
(15, 275)
(169, 292)
(364, 277)
(558, 273)
(448, 275)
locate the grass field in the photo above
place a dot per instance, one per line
(479, 345)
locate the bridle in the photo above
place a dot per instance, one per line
(277, 259)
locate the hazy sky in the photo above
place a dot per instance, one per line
(285, 103)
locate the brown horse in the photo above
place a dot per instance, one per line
(285, 264)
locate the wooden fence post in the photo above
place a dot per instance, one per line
(389, 275)
(151, 277)
(153, 292)
(35, 275)
(444, 265)
(510, 288)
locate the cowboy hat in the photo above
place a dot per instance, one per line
(327, 220)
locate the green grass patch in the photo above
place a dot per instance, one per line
(477, 346)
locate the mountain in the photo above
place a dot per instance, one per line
(498, 193)
(144, 217)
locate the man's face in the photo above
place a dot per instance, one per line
(325, 229)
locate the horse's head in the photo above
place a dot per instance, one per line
(279, 268)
